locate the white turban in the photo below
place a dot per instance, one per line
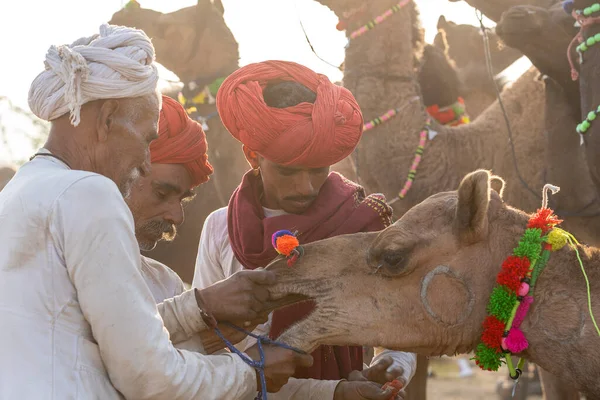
(117, 63)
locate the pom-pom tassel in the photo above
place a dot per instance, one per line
(516, 341)
(522, 311)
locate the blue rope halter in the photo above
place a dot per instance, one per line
(259, 366)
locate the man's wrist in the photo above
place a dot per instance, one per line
(205, 309)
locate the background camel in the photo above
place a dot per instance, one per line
(6, 174)
(493, 9)
(196, 44)
(543, 35)
(423, 284)
(464, 46)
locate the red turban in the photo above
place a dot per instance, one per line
(181, 140)
(309, 135)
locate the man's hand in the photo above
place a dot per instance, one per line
(366, 384)
(280, 364)
(381, 372)
(242, 296)
(363, 390)
(213, 343)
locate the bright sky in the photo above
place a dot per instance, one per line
(28, 28)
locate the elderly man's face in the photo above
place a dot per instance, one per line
(156, 202)
(124, 155)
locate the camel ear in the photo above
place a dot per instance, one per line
(473, 204)
(219, 6)
(442, 23)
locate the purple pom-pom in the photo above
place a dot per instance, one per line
(516, 341)
(568, 6)
(279, 234)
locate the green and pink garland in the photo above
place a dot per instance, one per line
(511, 298)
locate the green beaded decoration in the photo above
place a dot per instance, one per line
(591, 9)
(587, 122)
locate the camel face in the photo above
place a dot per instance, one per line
(187, 39)
(421, 285)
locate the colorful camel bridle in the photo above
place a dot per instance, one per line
(585, 18)
(515, 285)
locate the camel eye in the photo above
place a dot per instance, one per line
(394, 261)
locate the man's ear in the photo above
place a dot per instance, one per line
(473, 204)
(251, 157)
(106, 118)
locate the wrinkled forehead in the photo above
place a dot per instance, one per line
(434, 213)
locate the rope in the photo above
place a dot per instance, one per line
(574, 243)
(488, 62)
(310, 44)
(259, 366)
(584, 22)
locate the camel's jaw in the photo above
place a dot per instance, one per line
(521, 20)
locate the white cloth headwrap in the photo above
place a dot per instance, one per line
(117, 63)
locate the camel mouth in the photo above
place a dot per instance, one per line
(284, 300)
(518, 21)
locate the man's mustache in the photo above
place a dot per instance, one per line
(161, 228)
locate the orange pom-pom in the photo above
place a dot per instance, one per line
(396, 386)
(286, 244)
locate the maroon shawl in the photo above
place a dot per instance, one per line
(340, 208)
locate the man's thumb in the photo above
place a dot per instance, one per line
(261, 277)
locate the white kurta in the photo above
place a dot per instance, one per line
(216, 261)
(77, 319)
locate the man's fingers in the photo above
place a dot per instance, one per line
(260, 277)
(356, 376)
(261, 294)
(395, 373)
(303, 360)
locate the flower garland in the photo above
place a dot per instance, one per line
(513, 294)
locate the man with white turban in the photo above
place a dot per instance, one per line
(78, 320)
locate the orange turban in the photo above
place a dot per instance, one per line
(309, 135)
(181, 140)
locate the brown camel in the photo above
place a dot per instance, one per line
(493, 9)
(196, 44)
(423, 284)
(464, 46)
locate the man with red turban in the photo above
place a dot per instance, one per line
(294, 124)
(180, 163)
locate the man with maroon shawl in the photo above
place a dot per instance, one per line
(179, 164)
(294, 124)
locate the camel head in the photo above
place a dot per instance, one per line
(438, 78)
(421, 285)
(543, 35)
(193, 42)
(464, 45)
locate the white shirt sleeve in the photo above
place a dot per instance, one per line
(208, 269)
(181, 316)
(93, 227)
